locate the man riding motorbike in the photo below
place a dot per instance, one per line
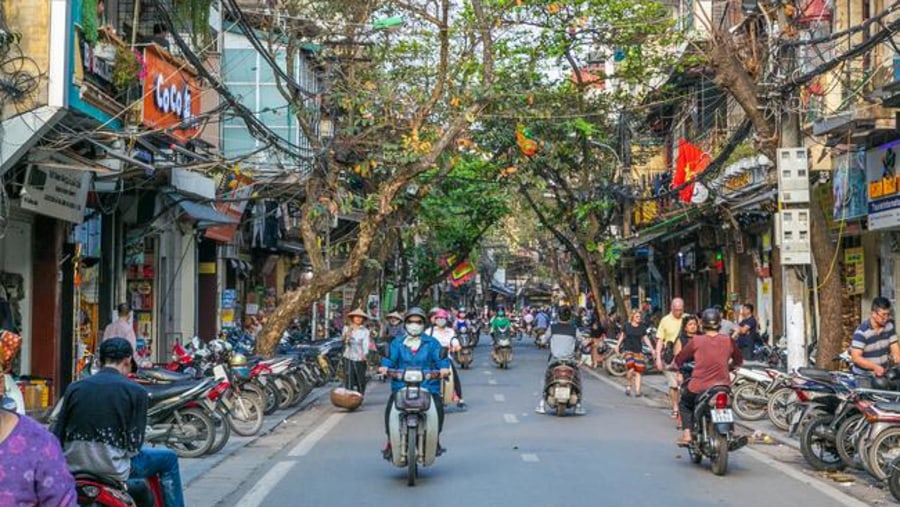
(499, 321)
(563, 340)
(415, 349)
(447, 338)
(713, 354)
(102, 422)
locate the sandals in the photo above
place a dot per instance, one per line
(674, 414)
(627, 390)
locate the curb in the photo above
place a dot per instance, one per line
(210, 462)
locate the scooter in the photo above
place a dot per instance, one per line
(563, 389)
(712, 434)
(413, 423)
(466, 352)
(96, 491)
(502, 353)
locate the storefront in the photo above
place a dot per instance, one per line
(16, 295)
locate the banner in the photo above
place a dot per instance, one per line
(691, 162)
(464, 272)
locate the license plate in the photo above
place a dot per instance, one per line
(723, 415)
(563, 393)
(219, 372)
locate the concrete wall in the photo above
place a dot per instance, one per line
(31, 18)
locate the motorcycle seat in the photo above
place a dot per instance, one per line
(886, 406)
(815, 373)
(106, 481)
(166, 391)
(162, 375)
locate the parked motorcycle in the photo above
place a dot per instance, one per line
(712, 434)
(752, 389)
(563, 389)
(413, 423)
(615, 363)
(502, 353)
(175, 420)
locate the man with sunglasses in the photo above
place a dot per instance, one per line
(874, 346)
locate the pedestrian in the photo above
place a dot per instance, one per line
(690, 328)
(874, 345)
(32, 466)
(667, 334)
(747, 331)
(122, 328)
(357, 343)
(633, 337)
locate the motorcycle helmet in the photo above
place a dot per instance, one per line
(238, 359)
(441, 314)
(711, 319)
(415, 311)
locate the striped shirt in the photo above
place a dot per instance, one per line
(875, 346)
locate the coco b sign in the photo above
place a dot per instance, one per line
(171, 95)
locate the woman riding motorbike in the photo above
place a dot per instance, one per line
(447, 337)
(415, 349)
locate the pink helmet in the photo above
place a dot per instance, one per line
(440, 313)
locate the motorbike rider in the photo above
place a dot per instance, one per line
(415, 349)
(541, 322)
(105, 439)
(713, 354)
(500, 320)
(563, 340)
(448, 340)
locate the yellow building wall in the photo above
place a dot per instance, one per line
(31, 19)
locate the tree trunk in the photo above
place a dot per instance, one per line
(830, 330)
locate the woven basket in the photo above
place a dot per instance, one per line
(346, 399)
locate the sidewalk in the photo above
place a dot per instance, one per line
(193, 469)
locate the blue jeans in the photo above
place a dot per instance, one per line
(164, 463)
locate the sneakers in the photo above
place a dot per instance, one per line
(579, 410)
(541, 408)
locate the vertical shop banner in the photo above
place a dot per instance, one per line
(854, 271)
(171, 95)
(232, 205)
(849, 186)
(881, 177)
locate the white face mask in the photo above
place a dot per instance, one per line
(440, 322)
(414, 329)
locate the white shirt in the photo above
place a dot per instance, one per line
(445, 335)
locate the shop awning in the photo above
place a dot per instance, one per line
(204, 214)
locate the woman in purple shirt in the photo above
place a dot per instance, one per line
(32, 468)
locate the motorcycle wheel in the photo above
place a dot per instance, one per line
(246, 417)
(411, 463)
(298, 394)
(818, 447)
(696, 457)
(271, 398)
(720, 461)
(884, 450)
(846, 437)
(200, 425)
(744, 406)
(615, 365)
(223, 432)
(285, 393)
(560, 410)
(780, 408)
(894, 479)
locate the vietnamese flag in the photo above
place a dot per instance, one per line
(691, 161)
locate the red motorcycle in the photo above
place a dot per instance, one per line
(96, 491)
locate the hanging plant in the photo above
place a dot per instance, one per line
(89, 21)
(128, 68)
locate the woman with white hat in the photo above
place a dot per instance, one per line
(357, 342)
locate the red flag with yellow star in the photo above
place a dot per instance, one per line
(691, 161)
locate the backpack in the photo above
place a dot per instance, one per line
(668, 352)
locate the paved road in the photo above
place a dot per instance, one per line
(502, 453)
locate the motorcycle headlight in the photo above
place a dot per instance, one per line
(90, 491)
(413, 376)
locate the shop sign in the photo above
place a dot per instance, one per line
(882, 181)
(849, 185)
(56, 192)
(232, 206)
(229, 296)
(854, 271)
(171, 95)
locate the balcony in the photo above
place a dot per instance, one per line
(101, 71)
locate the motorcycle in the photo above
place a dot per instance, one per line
(712, 434)
(615, 363)
(752, 390)
(413, 423)
(95, 491)
(466, 352)
(502, 353)
(563, 389)
(174, 420)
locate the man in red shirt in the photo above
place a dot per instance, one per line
(714, 354)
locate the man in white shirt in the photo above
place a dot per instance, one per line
(122, 328)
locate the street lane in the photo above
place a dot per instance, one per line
(500, 452)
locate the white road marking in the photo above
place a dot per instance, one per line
(499, 397)
(510, 418)
(530, 458)
(258, 493)
(797, 475)
(492, 382)
(487, 372)
(310, 440)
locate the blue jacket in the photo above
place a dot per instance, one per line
(428, 357)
